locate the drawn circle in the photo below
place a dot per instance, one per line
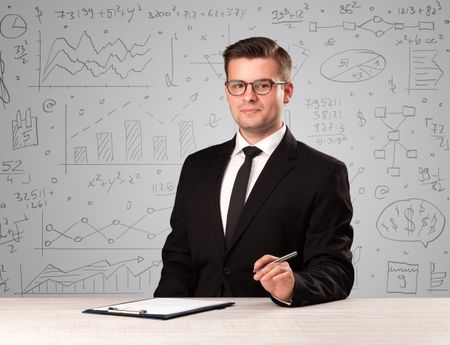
(47, 243)
(188, 79)
(151, 236)
(361, 170)
(380, 192)
(110, 240)
(12, 26)
(150, 210)
(84, 220)
(129, 204)
(54, 180)
(90, 203)
(47, 153)
(362, 190)
(115, 222)
(101, 101)
(81, 112)
(49, 227)
(78, 239)
(377, 19)
(352, 66)
(49, 105)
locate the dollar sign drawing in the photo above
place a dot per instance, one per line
(393, 86)
(394, 225)
(409, 213)
(362, 120)
(38, 14)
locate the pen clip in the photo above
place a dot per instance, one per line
(126, 311)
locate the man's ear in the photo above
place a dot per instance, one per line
(288, 92)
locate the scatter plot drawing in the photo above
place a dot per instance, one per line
(393, 121)
(102, 102)
(83, 234)
(101, 277)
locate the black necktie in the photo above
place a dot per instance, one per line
(237, 199)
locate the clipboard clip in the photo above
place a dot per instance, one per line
(115, 310)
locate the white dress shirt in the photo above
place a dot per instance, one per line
(267, 146)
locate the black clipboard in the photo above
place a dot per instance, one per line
(160, 308)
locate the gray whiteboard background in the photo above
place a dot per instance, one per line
(100, 106)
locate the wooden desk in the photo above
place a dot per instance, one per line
(251, 321)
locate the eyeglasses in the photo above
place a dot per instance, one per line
(260, 87)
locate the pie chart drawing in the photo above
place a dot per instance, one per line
(352, 66)
(12, 26)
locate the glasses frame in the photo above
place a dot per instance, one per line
(272, 83)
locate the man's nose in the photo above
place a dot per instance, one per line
(249, 93)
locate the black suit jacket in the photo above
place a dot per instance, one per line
(300, 202)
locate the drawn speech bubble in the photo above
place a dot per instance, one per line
(411, 220)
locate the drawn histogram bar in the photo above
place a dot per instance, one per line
(127, 276)
(133, 136)
(93, 60)
(24, 130)
(104, 147)
(187, 142)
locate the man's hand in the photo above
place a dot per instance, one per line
(277, 279)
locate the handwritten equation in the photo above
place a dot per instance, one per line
(101, 103)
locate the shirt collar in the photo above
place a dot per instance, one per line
(267, 145)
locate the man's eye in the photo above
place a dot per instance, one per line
(264, 85)
(237, 85)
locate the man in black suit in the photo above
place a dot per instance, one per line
(297, 199)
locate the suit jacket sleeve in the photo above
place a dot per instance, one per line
(327, 273)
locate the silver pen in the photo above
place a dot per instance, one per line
(280, 259)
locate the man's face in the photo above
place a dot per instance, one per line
(257, 116)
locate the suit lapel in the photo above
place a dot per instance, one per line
(216, 169)
(279, 164)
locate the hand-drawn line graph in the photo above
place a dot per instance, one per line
(101, 277)
(376, 25)
(424, 72)
(83, 235)
(113, 58)
(354, 65)
(393, 136)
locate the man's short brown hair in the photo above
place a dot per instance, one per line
(259, 47)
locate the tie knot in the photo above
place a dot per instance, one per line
(251, 151)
